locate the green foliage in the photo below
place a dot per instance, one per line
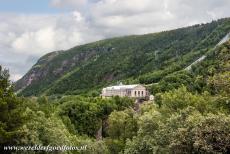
(193, 118)
(181, 98)
(190, 113)
(212, 134)
(146, 145)
(122, 124)
(174, 81)
(115, 146)
(186, 131)
(146, 59)
(11, 112)
(184, 118)
(85, 115)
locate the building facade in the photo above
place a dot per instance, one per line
(133, 91)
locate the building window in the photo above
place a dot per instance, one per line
(138, 93)
(142, 93)
(135, 93)
(129, 93)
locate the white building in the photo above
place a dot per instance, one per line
(134, 91)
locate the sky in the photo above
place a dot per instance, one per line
(32, 28)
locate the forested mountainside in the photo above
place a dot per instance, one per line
(190, 114)
(145, 59)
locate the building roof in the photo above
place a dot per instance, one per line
(121, 87)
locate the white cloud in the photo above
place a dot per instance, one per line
(125, 7)
(25, 36)
(35, 42)
(78, 17)
(46, 33)
(68, 3)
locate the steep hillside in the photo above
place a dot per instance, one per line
(214, 71)
(211, 74)
(145, 59)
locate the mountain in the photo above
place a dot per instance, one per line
(215, 71)
(145, 59)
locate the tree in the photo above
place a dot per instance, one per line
(11, 112)
(181, 98)
(212, 135)
(85, 116)
(141, 145)
(122, 124)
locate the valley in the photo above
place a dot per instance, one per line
(73, 98)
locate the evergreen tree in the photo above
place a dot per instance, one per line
(11, 112)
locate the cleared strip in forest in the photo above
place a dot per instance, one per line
(222, 41)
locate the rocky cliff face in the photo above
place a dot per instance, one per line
(37, 72)
(51, 66)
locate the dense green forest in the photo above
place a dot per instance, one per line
(190, 113)
(145, 59)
